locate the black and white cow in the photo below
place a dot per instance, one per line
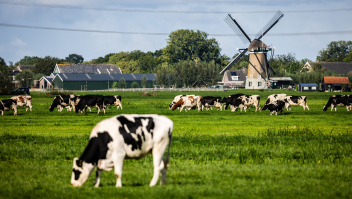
(274, 97)
(60, 101)
(231, 100)
(8, 104)
(275, 107)
(339, 100)
(296, 101)
(113, 100)
(125, 136)
(210, 102)
(245, 101)
(90, 101)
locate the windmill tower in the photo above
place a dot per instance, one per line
(259, 69)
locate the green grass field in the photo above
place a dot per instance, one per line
(214, 154)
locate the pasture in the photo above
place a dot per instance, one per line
(214, 154)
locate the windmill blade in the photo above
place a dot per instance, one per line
(234, 61)
(237, 29)
(269, 25)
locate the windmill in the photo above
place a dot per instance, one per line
(259, 69)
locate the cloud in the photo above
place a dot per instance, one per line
(17, 42)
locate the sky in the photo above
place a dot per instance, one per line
(40, 27)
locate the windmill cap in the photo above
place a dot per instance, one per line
(255, 44)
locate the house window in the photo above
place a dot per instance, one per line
(305, 88)
(314, 88)
(251, 76)
(259, 84)
(234, 78)
(249, 84)
(259, 76)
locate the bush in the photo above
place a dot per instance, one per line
(135, 85)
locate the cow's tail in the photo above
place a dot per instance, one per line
(167, 160)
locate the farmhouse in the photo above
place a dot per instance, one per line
(338, 84)
(87, 69)
(45, 82)
(20, 68)
(69, 81)
(341, 68)
(280, 82)
(234, 78)
(308, 87)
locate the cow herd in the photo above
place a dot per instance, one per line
(275, 103)
(79, 103)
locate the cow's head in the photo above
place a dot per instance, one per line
(223, 100)
(265, 107)
(81, 172)
(325, 108)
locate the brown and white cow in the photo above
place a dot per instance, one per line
(23, 101)
(188, 102)
(176, 99)
(296, 101)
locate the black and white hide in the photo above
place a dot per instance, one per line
(8, 104)
(113, 100)
(124, 136)
(210, 102)
(246, 101)
(274, 97)
(339, 100)
(61, 102)
(231, 100)
(90, 101)
(296, 101)
(278, 106)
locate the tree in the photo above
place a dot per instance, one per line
(6, 81)
(122, 83)
(348, 58)
(38, 76)
(135, 85)
(74, 59)
(25, 78)
(115, 85)
(336, 51)
(191, 45)
(46, 65)
(144, 81)
(27, 60)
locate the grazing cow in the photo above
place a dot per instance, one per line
(188, 102)
(296, 101)
(274, 97)
(60, 102)
(245, 101)
(23, 101)
(231, 100)
(8, 104)
(90, 101)
(210, 102)
(113, 100)
(176, 99)
(125, 136)
(277, 106)
(338, 100)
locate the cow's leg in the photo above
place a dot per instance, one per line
(97, 179)
(158, 163)
(98, 110)
(2, 112)
(26, 108)
(118, 163)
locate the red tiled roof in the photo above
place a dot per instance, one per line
(336, 80)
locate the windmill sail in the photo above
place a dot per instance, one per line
(237, 29)
(269, 25)
(233, 61)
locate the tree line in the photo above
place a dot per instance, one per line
(189, 59)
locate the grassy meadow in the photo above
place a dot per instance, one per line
(214, 154)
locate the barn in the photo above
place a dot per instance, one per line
(72, 81)
(308, 87)
(45, 82)
(331, 84)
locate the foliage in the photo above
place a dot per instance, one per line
(317, 67)
(6, 81)
(74, 59)
(46, 65)
(134, 85)
(102, 60)
(348, 58)
(134, 62)
(115, 85)
(336, 51)
(27, 60)
(144, 81)
(25, 78)
(122, 83)
(186, 44)
(38, 76)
